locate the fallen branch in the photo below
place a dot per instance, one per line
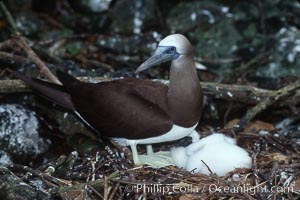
(235, 93)
(12, 58)
(267, 102)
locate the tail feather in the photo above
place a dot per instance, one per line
(53, 92)
(67, 80)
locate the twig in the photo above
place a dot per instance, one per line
(105, 188)
(95, 191)
(20, 41)
(42, 175)
(12, 86)
(245, 67)
(39, 63)
(9, 17)
(208, 168)
(52, 21)
(13, 59)
(258, 59)
(262, 19)
(114, 191)
(95, 63)
(227, 113)
(46, 55)
(7, 44)
(267, 102)
(97, 185)
(218, 61)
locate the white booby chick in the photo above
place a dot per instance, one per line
(219, 152)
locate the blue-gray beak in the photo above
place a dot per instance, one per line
(161, 55)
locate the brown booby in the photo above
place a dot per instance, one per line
(136, 111)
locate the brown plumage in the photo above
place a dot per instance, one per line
(111, 113)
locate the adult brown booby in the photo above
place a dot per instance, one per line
(136, 111)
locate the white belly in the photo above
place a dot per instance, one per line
(176, 133)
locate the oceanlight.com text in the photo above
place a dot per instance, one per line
(212, 188)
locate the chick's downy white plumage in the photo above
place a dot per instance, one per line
(209, 140)
(179, 156)
(219, 152)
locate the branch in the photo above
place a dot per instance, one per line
(13, 86)
(248, 95)
(239, 93)
(20, 41)
(9, 17)
(39, 63)
(267, 102)
(16, 59)
(7, 44)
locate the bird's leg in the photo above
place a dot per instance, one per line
(149, 149)
(157, 159)
(135, 154)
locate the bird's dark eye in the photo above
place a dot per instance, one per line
(172, 49)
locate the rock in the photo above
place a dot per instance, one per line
(209, 26)
(29, 24)
(287, 53)
(5, 159)
(12, 187)
(131, 45)
(187, 15)
(90, 6)
(19, 131)
(218, 42)
(132, 16)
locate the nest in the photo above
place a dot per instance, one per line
(110, 174)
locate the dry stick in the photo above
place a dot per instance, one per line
(253, 63)
(114, 191)
(36, 172)
(20, 41)
(262, 19)
(208, 168)
(267, 102)
(95, 191)
(13, 59)
(39, 63)
(248, 95)
(13, 86)
(8, 16)
(105, 188)
(235, 93)
(64, 185)
(7, 44)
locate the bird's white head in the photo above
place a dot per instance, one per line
(170, 48)
(180, 42)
